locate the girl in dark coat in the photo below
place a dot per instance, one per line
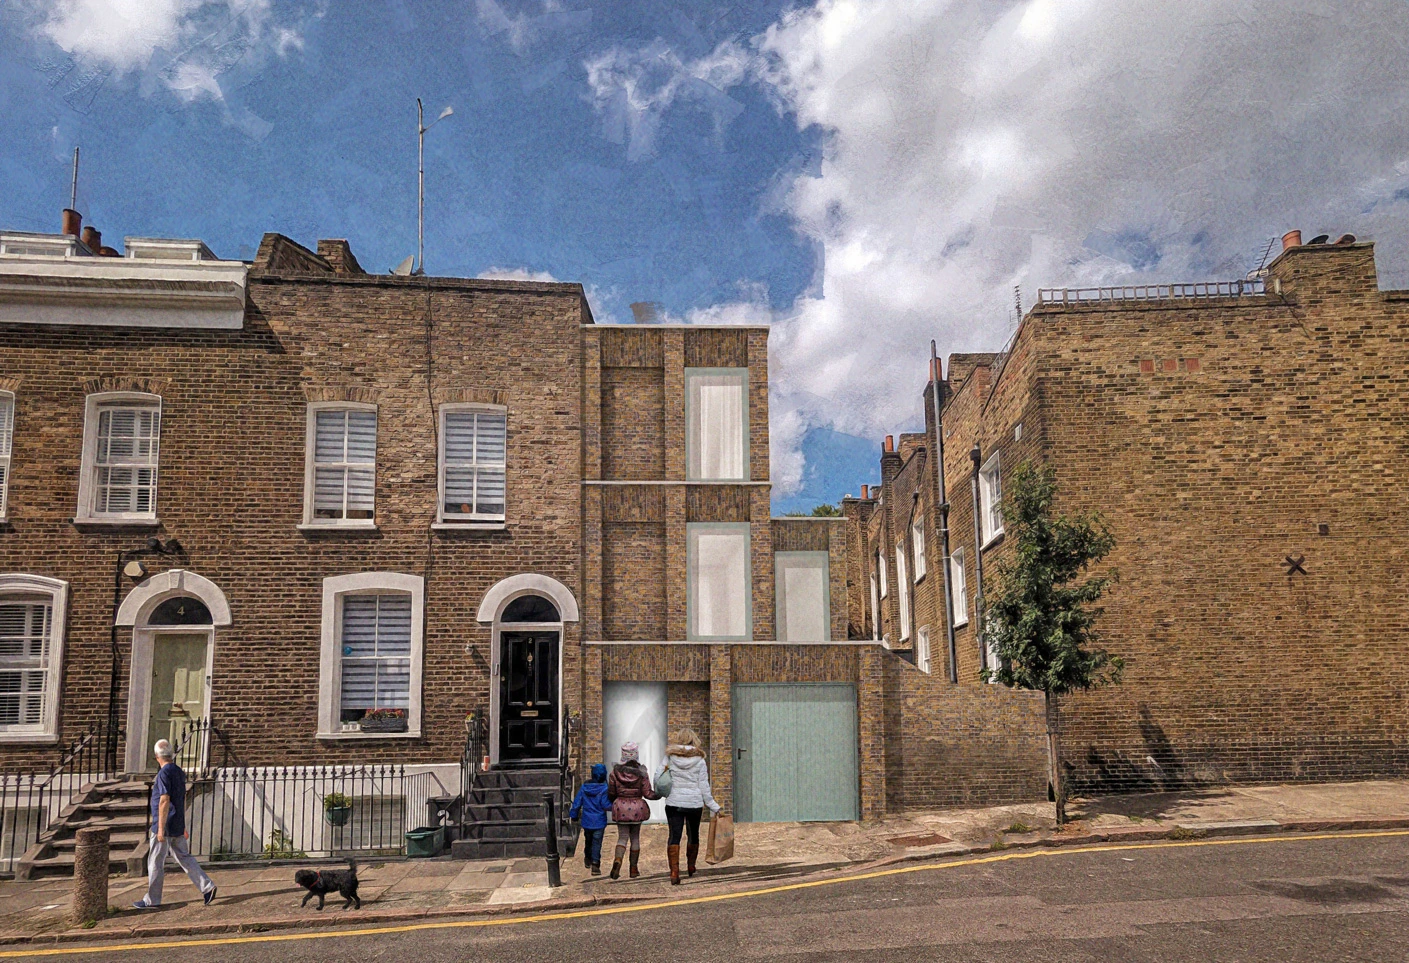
(628, 788)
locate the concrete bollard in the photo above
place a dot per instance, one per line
(90, 875)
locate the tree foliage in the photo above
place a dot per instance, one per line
(1041, 617)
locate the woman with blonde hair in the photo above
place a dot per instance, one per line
(689, 795)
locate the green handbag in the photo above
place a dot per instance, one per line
(664, 783)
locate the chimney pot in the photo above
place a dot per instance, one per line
(1291, 239)
(890, 443)
(865, 492)
(92, 239)
(73, 222)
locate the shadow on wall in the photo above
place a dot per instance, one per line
(1159, 769)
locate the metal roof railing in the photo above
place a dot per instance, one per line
(1248, 287)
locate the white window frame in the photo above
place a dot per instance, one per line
(959, 587)
(875, 609)
(902, 582)
(881, 570)
(692, 583)
(7, 444)
(335, 589)
(922, 649)
(56, 591)
(93, 406)
(814, 559)
(475, 519)
(990, 487)
(310, 466)
(693, 453)
(917, 547)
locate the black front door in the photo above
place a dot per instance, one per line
(528, 696)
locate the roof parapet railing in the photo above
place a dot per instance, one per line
(1247, 287)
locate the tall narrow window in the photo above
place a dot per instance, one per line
(922, 649)
(875, 608)
(917, 546)
(31, 637)
(472, 464)
(125, 467)
(7, 435)
(719, 593)
(959, 587)
(990, 487)
(342, 465)
(716, 424)
(376, 655)
(903, 585)
(881, 571)
(803, 596)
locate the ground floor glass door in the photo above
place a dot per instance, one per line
(795, 752)
(635, 712)
(528, 696)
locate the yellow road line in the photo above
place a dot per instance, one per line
(694, 900)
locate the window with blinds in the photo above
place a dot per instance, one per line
(376, 655)
(344, 465)
(26, 626)
(125, 460)
(473, 464)
(716, 424)
(7, 435)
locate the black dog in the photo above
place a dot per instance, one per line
(321, 882)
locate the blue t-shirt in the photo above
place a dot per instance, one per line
(171, 782)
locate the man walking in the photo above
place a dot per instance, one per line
(169, 834)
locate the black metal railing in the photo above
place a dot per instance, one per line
(202, 746)
(32, 799)
(476, 752)
(296, 812)
(568, 762)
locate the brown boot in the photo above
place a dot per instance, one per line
(672, 856)
(635, 857)
(616, 863)
(691, 851)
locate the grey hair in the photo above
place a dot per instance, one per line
(163, 750)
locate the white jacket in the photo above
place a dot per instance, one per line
(690, 786)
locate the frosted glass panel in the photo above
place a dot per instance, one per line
(635, 712)
(717, 443)
(802, 592)
(719, 580)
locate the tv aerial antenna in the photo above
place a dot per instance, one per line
(421, 128)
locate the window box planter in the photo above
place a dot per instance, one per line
(384, 720)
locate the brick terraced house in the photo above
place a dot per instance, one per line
(336, 520)
(1246, 444)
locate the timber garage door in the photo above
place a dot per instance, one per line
(795, 753)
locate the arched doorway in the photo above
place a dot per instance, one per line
(174, 617)
(526, 684)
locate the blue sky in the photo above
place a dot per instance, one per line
(864, 175)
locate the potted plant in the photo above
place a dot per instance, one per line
(337, 809)
(384, 720)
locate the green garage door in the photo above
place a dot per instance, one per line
(795, 753)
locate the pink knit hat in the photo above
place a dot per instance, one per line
(630, 752)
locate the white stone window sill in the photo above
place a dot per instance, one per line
(358, 525)
(920, 578)
(444, 526)
(117, 521)
(960, 625)
(339, 736)
(28, 738)
(993, 540)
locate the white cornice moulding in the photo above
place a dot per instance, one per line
(123, 292)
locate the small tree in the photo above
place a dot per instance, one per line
(826, 511)
(1041, 618)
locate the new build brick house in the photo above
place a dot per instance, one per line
(336, 513)
(1245, 443)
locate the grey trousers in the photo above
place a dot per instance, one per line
(178, 849)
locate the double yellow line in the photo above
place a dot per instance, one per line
(690, 901)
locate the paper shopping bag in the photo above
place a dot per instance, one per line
(721, 839)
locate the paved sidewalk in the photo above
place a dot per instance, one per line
(264, 897)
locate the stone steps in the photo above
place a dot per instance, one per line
(122, 807)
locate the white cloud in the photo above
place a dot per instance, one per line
(634, 88)
(515, 274)
(182, 46)
(971, 147)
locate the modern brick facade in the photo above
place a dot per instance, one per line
(1247, 452)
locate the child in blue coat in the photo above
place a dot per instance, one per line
(590, 807)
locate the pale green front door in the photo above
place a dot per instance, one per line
(795, 753)
(178, 688)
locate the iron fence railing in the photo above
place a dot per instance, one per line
(32, 799)
(476, 753)
(1247, 287)
(295, 812)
